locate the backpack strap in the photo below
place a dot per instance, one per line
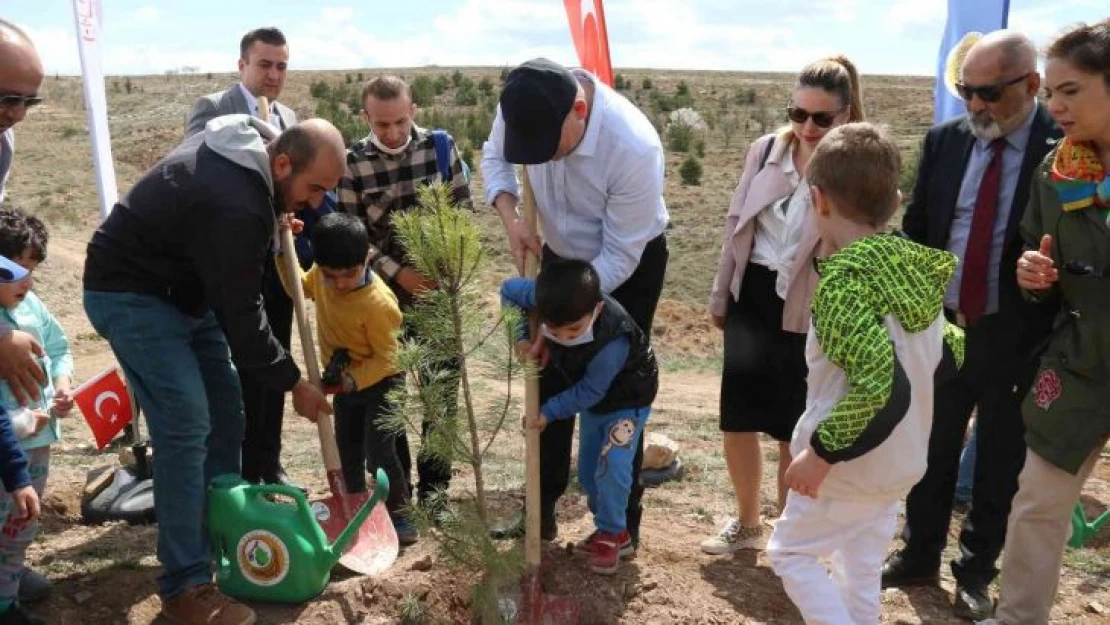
(766, 154)
(442, 143)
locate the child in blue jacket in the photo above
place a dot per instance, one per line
(605, 371)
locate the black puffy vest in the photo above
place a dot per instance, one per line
(636, 384)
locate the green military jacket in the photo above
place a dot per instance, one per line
(1067, 410)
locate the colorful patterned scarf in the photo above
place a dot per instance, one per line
(1079, 177)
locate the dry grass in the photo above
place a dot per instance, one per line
(106, 574)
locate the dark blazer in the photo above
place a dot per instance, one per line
(928, 218)
(229, 102)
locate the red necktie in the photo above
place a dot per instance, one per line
(977, 257)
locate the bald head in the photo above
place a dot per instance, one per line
(1005, 51)
(20, 74)
(1000, 83)
(307, 160)
(327, 137)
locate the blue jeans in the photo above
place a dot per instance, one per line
(607, 444)
(180, 368)
(967, 467)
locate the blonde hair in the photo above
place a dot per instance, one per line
(858, 165)
(837, 75)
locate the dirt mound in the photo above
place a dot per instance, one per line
(681, 330)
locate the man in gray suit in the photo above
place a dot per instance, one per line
(263, 58)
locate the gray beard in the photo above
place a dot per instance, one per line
(987, 132)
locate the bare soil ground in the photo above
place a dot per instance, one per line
(107, 574)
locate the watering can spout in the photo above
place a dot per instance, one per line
(381, 491)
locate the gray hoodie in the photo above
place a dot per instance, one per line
(195, 231)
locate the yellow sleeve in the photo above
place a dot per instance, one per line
(382, 327)
(308, 279)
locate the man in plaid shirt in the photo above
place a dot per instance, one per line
(384, 171)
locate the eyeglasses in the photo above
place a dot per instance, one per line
(986, 93)
(822, 119)
(10, 100)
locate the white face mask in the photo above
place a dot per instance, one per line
(581, 339)
(388, 150)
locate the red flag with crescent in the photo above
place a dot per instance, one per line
(591, 40)
(105, 404)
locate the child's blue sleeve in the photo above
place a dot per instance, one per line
(13, 462)
(588, 391)
(519, 293)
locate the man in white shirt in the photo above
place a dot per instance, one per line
(595, 164)
(263, 60)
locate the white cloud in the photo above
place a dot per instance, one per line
(905, 16)
(147, 15)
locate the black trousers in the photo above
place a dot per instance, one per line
(993, 366)
(365, 445)
(264, 406)
(639, 295)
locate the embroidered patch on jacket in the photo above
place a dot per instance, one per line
(1047, 389)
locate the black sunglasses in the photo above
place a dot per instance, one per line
(822, 119)
(986, 93)
(8, 100)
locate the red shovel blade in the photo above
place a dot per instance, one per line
(538, 608)
(374, 549)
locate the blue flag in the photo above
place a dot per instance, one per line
(964, 18)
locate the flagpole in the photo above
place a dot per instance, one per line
(88, 17)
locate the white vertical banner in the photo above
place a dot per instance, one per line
(88, 15)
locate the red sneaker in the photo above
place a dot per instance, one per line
(604, 557)
(586, 545)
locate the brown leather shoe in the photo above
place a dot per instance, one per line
(206, 605)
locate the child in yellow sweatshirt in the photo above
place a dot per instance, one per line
(357, 322)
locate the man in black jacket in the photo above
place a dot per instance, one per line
(972, 187)
(172, 281)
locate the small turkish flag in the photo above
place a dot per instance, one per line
(105, 404)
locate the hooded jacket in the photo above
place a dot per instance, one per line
(195, 231)
(876, 340)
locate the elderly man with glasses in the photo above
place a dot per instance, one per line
(972, 188)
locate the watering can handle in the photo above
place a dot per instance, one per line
(294, 493)
(381, 491)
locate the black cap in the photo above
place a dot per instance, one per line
(535, 100)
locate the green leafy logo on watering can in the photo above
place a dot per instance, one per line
(263, 558)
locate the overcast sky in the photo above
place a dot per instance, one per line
(881, 36)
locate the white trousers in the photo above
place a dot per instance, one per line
(853, 536)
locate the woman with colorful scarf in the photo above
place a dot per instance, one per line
(1067, 411)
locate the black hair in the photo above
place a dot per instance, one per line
(19, 233)
(270, 36)
(566, 291)
(340, 241)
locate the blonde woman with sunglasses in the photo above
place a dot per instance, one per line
(763, 287)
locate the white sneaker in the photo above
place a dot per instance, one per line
(990, 621)
(734, 537)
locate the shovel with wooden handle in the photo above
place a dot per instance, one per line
(537, 607)
(375, 547)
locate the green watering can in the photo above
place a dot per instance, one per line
(273, 550)
(1082, 529)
